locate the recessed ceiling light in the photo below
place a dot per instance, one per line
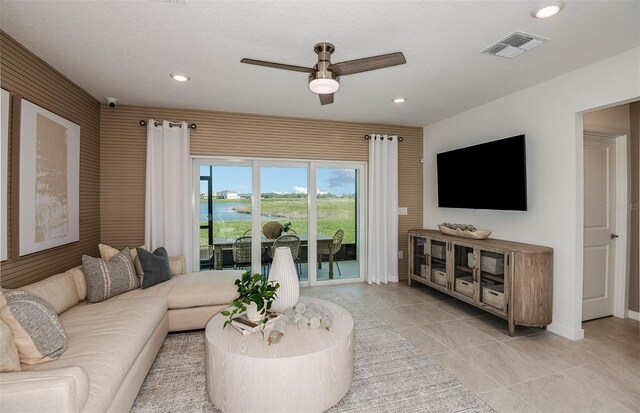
(399, 100)
(179, 77)
(547, 10)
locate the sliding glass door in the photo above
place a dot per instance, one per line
(224, 211)
(247, 208)
(339, 221)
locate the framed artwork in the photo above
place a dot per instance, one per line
(4, 170)
(49, 179)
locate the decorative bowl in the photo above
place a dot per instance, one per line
(477, 234)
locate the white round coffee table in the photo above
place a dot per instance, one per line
(307, 371)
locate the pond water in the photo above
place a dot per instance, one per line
(223, 211)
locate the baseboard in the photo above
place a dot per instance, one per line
(634, 315)
(566, 332)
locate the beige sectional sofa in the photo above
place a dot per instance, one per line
(112, 344)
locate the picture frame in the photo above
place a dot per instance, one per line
(49, 179)
(5, 99)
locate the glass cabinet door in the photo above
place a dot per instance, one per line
(419, 257)
(492, 267)
(437, 259)
(462, 282)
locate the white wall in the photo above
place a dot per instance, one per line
(549, 114)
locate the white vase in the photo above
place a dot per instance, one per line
(283, 271)
(252, 312)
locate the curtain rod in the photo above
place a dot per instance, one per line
(368, 138)
(171, 125)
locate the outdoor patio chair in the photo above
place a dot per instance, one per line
(291, 241)
(331, 249)
(241, 250)
(206, 254)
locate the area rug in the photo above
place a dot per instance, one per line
(390, 374)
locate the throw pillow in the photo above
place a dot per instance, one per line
(155, 266)
(106, 279)
(9, 358)
(107, 251)
(35, 326)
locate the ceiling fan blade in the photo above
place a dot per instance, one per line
(278, 65)
(368, 63)
(326, 99)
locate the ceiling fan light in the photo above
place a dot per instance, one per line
(323, 86)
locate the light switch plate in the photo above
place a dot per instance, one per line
(400, 254)
(403, 211)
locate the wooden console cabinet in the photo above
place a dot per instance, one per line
(509, 279)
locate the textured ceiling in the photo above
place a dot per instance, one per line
(126, 49)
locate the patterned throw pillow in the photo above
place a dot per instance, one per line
(155, 266)
(9, 358)
(107, 251)
(106, 279)
(35, 326)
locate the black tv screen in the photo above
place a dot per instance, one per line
(491, 175)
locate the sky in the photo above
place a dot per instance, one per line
(280, 180)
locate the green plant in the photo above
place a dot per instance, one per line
(252, 289)
(286, 226)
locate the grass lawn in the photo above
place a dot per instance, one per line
(333, 214)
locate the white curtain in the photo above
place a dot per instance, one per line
(168, 190)
(382, 229)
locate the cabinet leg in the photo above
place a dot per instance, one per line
(512, 328)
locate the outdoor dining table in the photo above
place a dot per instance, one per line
(227, 242)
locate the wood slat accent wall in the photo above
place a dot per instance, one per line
(24, 74)
(123, 157)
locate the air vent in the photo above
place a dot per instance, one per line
(514, 45)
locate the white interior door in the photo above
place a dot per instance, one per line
(599, 227)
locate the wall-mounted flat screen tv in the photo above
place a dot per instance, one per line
(491, 175)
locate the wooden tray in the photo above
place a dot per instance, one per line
(477, 234)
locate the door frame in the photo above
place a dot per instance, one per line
(621, 276)
(311, 165)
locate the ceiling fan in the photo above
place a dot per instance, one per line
(324, 76)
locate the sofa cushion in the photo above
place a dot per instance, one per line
(104, 340)
(9, 358)
(108, 278)
(58, 290)
(34, 324)
(107, 251)
(155, 266)
(80, 281)
(196, 289)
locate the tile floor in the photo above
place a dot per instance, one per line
(535, 371)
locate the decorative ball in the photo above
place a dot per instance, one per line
(300, 308)
(327, 321)
(297, 317)
(314, 322)
(309, 313)
(281, 326)
(289, 312)
(303, 323)
(275, 336)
